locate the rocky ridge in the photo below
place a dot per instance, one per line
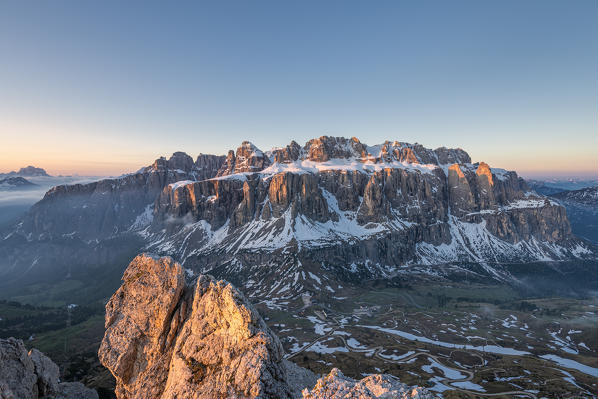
(168, 338)
(15, 183)
(109, 207)
(336, 386)
(32, 375)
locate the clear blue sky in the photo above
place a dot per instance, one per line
(108, 86)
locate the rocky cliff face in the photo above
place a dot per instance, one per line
(166, 338)
(108, 207)
(93, 225)
(32, 375)
(335, 207)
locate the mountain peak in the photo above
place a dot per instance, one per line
(180, 160)
(28, 171)
(338, 151)
(484, 170)
(325, 148)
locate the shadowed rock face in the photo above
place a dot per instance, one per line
(460, 194)
(92, 225)
(166, 339)
(33, 375)
(112, 206)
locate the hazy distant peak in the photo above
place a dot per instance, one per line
(28, 171)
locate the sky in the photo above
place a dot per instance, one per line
(103, 88)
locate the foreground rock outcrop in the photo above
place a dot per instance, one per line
(336, 386)
(169, 339)
(32, 375)
(165, 339)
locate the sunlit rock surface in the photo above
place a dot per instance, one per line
(165, 339)
(336, 386)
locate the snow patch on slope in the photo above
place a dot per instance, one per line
(350, 164)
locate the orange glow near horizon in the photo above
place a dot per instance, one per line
(57, 163)
(73, 167)
(63, 151)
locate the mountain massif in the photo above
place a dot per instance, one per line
(297, 218)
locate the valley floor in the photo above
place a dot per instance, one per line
(461, 340)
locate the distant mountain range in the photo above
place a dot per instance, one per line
(15, 183)
(582, 209)
(585, 196)
(280, 222)
(553, 186)
(28, 171)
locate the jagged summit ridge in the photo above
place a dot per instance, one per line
(166, 338)
(249, 159)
